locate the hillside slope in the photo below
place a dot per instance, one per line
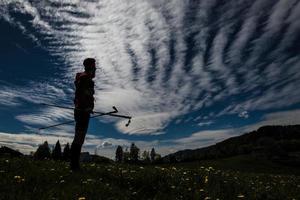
(277, 143)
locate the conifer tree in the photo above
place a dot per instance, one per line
(66, 152)
(56, 153)
(43, 151)
(119, 154)
(134, 153)
(126, 155)
(146, 156)
(152, 155)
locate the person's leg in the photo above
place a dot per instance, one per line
(82, 121)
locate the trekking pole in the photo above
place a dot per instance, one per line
(112, 113)
(72, 108)
(69, 122)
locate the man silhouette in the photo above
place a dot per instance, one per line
(84, 105)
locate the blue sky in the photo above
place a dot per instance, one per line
(191, 73)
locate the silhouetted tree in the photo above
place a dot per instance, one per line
(43, 151)
(157, 157)
(152, 155)
(67, 152)
(126, 156)
(146, 156)
(56, 153)
(119, 154)
(134, 153)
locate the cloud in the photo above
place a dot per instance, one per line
(244, 114)
(8, 98)
(46, 117)
(205, 123)
(162, 60)
(202, 138)
(289, 117)
(210, 137)
(107, 146)
(145, 124)
(27, 143)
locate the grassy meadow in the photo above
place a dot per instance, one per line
(233, 178)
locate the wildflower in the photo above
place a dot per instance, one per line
(206, 198)
(7, 161)
(81, 198)
(201, 190)
(19, 179)
(62, 181)
(184, 173)
(206, 179)
(141, 167)
(189, 189)
(173, 187)
(93, 165)
(240, 196)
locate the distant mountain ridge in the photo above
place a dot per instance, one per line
(5, 151)
(280, 143)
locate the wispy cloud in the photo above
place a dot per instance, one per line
(107, 146)
(161, 60)
(211, 137)
(244, 114)
(205, 123)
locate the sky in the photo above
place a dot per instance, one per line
(191, 73)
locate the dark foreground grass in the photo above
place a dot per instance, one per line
(23, 178)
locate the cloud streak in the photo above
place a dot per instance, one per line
(161, 60)
(104, 146)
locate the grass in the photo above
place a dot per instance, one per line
(23, 178)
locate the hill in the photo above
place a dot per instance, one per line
(5, 151)
(276, 143)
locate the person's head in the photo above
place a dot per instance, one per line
(90, 66)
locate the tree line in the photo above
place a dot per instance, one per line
(133, 155)
(44, 152)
